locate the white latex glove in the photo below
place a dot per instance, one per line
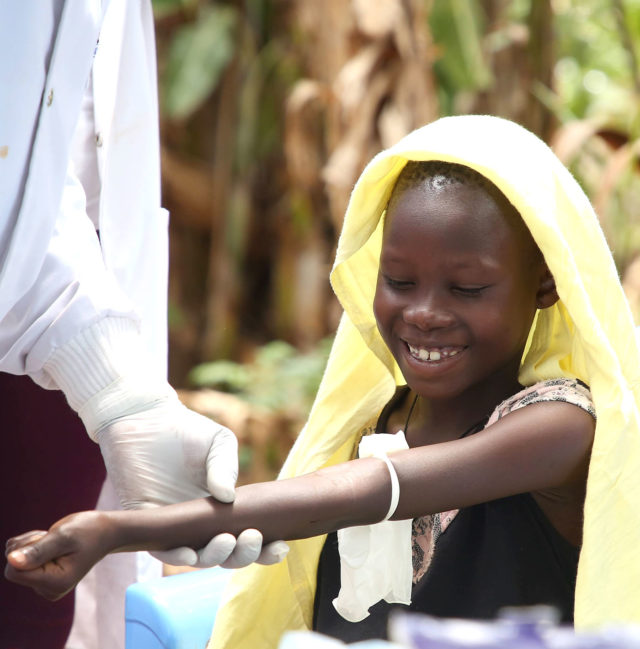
(158, 452)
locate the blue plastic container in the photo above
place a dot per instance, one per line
(174, 612)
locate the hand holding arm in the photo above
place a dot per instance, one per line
(166, 453)
(156, 450)
(53, 562)
(525, 451)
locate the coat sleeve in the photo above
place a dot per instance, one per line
(54, 286)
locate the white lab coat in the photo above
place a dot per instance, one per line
(56, 278)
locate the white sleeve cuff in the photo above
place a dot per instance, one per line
(95, 358)
(105, 374)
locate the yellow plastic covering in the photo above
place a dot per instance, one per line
(589, 334)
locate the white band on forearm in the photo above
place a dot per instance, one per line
(395, 486)
(378, 446)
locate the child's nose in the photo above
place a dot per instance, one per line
(428, 314)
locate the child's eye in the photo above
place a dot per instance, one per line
(397, 283)
(469, 291)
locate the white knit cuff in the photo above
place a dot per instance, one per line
(126, 396)
(96, 357)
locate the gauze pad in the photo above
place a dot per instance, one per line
(375, 560)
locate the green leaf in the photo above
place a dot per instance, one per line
(198, 56)
(223, 375)
(274, 353)
(280, 378)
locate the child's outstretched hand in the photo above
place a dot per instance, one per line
(53, 562)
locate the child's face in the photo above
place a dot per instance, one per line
(457, 290)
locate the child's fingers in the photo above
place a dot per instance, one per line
(53, 562)
(36, 560)
(16, 542)
(40, 550)
(44, 581)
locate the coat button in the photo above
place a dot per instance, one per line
(98, 139)
(50, 97)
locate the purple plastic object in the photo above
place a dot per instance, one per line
(516, 628)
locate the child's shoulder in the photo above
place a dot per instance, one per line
(569, 390)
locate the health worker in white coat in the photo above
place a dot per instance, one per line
(87, 314)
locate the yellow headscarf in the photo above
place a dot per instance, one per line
(588, 334)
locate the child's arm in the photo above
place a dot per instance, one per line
(53, 562)
(541, 446)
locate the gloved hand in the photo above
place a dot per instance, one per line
(157, 452)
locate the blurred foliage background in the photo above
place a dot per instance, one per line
(271, 108)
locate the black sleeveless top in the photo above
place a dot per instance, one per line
(501, 553)
(496, 554)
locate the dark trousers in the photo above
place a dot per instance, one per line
(48, 468)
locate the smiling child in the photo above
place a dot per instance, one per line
(480, 302)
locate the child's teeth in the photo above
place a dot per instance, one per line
(432, 355)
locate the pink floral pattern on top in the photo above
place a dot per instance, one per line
(427, 529)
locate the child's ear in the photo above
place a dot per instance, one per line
(547, 295)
